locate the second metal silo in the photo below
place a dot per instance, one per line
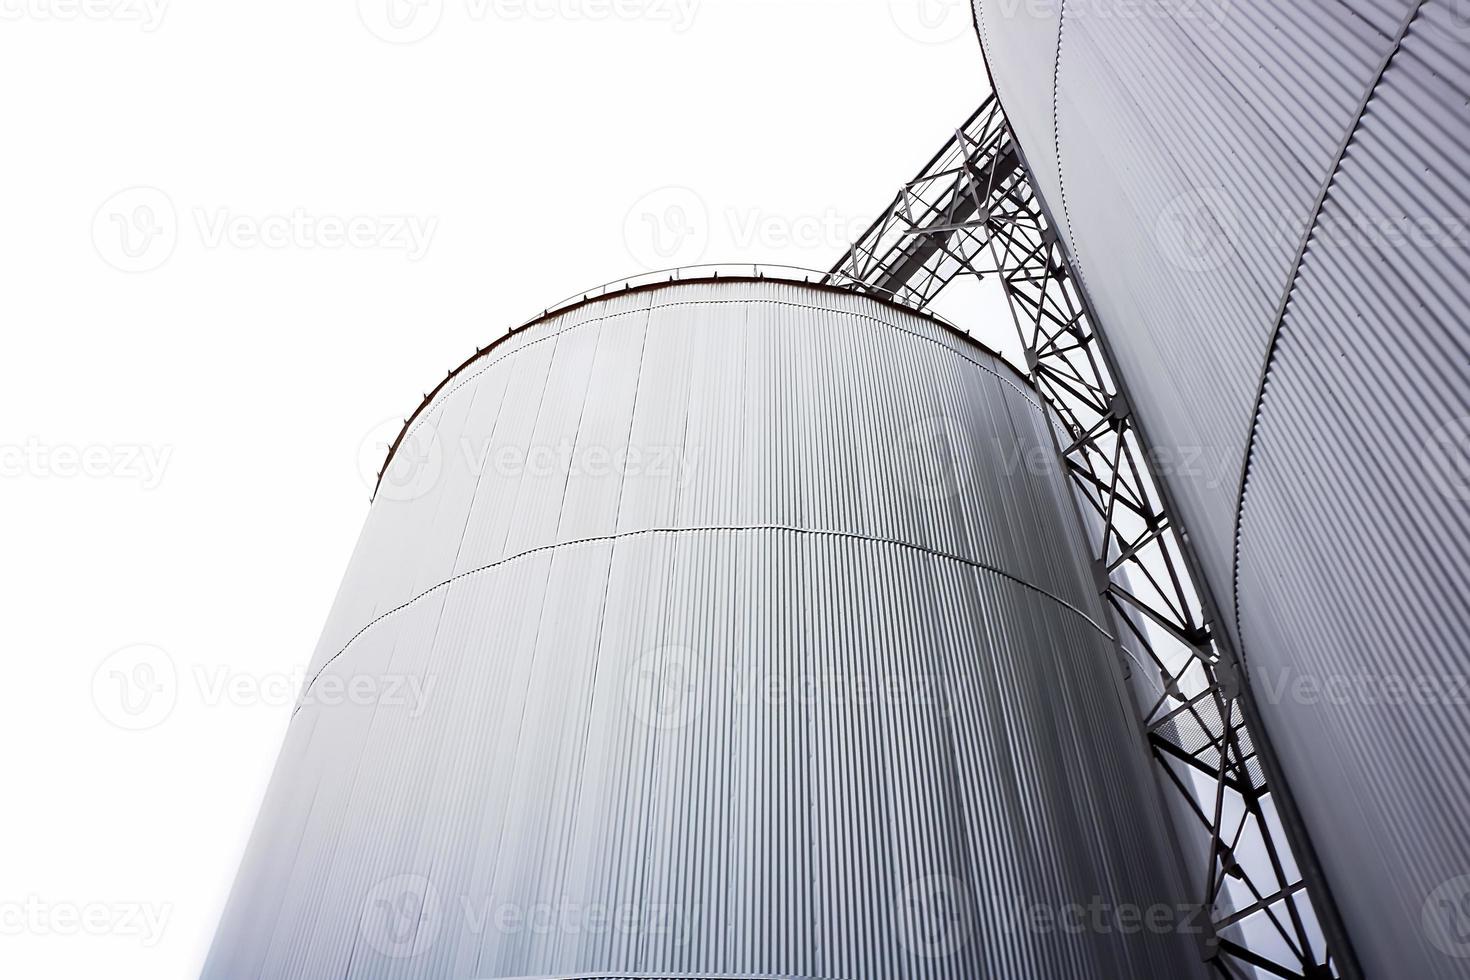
(1267, 203)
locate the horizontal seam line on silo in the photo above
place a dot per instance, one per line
(711, 302)
(780, 528)
(1278, 327)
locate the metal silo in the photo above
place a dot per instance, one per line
(1267, 204)
(717, 627)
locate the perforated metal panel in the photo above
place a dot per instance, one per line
(785, 660)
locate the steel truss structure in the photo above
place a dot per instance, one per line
(973, 211)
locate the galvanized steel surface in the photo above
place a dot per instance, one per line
(752, 634)
(1268, 205)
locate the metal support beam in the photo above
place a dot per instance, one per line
(973, 211)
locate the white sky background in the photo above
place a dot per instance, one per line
(180, 444)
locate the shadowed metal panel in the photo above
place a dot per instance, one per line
(1020, 41)
(1361, 463)
(784, 660)
(1196, 140)
(1194, 137)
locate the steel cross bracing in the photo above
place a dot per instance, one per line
(973, 211)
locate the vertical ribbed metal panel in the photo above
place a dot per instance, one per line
(1326, 387)
(1361, 465)
(826, 696)
(1025, 55)
(1173, 120)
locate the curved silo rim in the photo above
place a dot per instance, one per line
(647, 281)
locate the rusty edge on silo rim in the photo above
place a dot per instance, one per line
(587, 299)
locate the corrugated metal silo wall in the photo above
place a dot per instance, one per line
(1186, 147)
(753, 636)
